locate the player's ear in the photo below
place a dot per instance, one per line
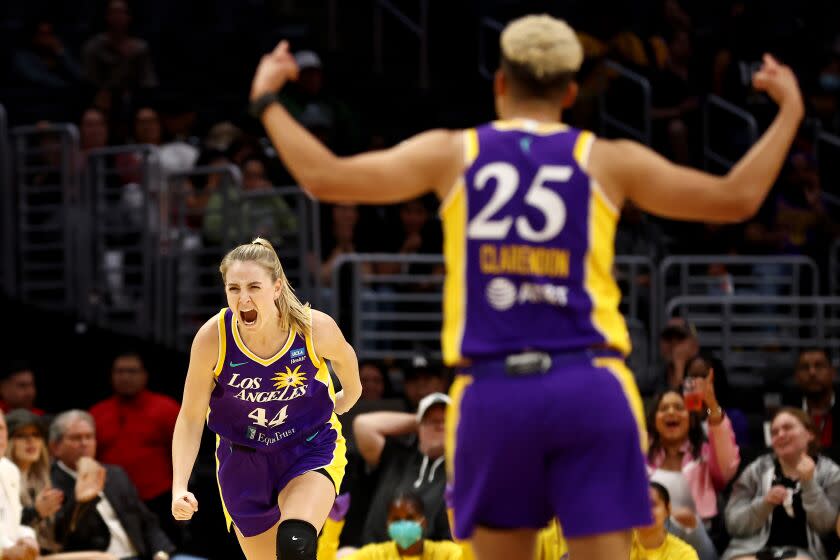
(570, 95)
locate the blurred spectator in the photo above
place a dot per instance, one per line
(814, 377)
(116, 60)
(93, 130)
(325, 115)
(101, 508)
(221, 136)
(703, 366)
(17, 388)
(374, 381)
(423, 378)
(269, 216)
(406, 525)
(418, 468)
(134, 430)
(655, 542)
(417, 234)
(342, 238)
(677, 344)
(637, 234)
(16, 541)
(28, 451)
(44, 62)
(787, 499)
(691, 466)
(675, 100)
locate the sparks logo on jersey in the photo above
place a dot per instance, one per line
(289, 379)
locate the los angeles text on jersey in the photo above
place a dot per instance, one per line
(251, 390)
(525, 260)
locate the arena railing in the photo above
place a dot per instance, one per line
(47, 194)
(398, 313)
(419, 28)
(7, 210)
(120, 260)
(290, 220)
(834, 268)
(395, 314)
(716, 139)
(776, 275)
(195, 235)
(624, 89)
(638, 280)
(755, 335)
(488, 58)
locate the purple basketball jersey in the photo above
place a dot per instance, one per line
(529, 247)
(268, 403)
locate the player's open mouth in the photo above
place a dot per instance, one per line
(248, 317)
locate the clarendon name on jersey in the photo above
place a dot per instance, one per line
(524, 260)
(246, 394)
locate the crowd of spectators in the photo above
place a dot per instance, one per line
(745, 475)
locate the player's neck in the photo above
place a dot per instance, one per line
(532, 110)
(264, 341)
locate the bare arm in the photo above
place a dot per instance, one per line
(371, 429)
(330, 344)
(629, 170)
(190, 423)
(430, 161)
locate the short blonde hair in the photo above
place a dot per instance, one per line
(540, 53)
(293, 314)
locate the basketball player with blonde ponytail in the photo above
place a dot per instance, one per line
(258, 376)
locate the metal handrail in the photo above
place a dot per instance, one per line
(420, 29)
(714, 101)
(644, 134)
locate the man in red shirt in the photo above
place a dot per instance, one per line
(17, 388)
(134, 430)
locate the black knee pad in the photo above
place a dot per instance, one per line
(296, 540)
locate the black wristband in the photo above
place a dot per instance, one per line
(257, 107)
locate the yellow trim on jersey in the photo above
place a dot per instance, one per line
(532, 126)
(336, 467)
(619, 369)
(310, 349)
(453, 213)
(453, 416)
(228, 518)
(583, 145)
(247, 352)
(220, 362)
(598, 279)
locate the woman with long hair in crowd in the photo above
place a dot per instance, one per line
(785, 501)
(693, 461)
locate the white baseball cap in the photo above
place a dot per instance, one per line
(307, 59)
(429, 401)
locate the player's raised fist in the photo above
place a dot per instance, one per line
(274, 70)
(780, 83)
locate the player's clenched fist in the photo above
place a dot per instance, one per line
(184, 505)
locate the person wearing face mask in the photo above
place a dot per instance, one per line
(406, 525)
(786, 500)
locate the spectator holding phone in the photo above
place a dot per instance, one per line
(786, 500)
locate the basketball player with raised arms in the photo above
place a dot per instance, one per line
(258, 377)
(546, 419)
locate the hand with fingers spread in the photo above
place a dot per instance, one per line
(274, 70)
(90, 479)
(184, 505)
(779, 82)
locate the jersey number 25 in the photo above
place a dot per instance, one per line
(486, 225)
